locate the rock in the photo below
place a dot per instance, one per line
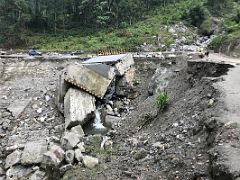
(6, 124)
(13, 158)
(2, 172)
(109, 108)
(69, 140)
(33, 152)
(69, 156)
(78, 107)
(18, 106)
(65, 168)
(211, 102)
(54, 156)
(140, 154)
(37, 175)
(90, 162)
(18, 172)
(81, 147)
(78, 155)
(93, 140)
(124, 65)
(111, 121)
(61, 89)
(78, 130)
(125, 86)
(87, 80)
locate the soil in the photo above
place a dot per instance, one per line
(147, 144)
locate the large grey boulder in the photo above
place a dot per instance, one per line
(87, 80)
(13, 159)
(33, 152)
(78, 107)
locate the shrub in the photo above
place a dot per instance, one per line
(162, 100)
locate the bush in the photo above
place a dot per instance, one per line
(162, 100)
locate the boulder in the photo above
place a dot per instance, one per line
(87, 80)
(13, 158)
(78, 155)
(111, 121)
(54, 156)
(69, 140)
(69, 156)
(90, 162)
(33, 152)
(78, 107)
(37, 175)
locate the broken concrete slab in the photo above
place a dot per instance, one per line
(69, 140)
(78, 130)
(61, 89)
(124, 65)
(102, 69)
(87, 80)
(33, 152)
(78, 107)
(13, 158)
(112, 59)
(18, 106)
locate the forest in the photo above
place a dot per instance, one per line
(20, 19)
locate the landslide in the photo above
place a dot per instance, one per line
(169, 145)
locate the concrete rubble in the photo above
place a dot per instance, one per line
(33, 152)
(78, 105)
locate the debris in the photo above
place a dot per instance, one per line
(78, 155)
(13, 158)
(33, 152)
(78, 130)
(142, 153)
(78, 106)
(90, 162)
(69, 156)
(37, 175)
(18, 106)
(69, 140)
(87, 80)
(54, 156)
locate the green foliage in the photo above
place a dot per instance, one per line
(162, 100)
(219, 7)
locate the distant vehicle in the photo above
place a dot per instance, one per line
(33, 52)
(78, 52)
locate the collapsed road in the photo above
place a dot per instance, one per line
(49, 108)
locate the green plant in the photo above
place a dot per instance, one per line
(162, 100)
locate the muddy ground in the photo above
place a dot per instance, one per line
(147, 144)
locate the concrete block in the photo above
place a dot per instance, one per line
(124, 64)
(87, 80)
(78, 107)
